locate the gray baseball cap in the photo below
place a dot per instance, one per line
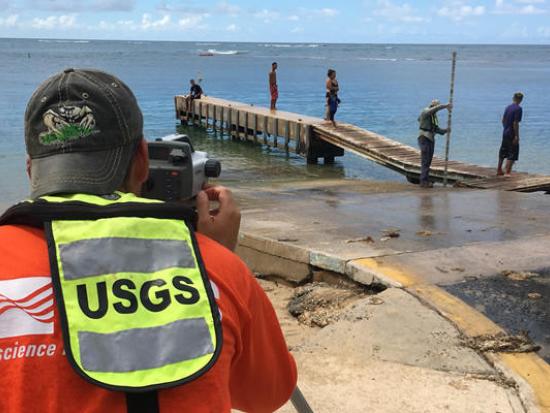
(81, 128)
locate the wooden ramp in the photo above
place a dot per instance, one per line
(313, 138)
(406, 160)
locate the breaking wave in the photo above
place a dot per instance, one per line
(222, 52)
(62, 41)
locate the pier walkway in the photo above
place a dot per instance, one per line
(314, 138)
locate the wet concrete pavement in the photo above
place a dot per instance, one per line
(449, 217)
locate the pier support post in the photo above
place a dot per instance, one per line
(207, 115)
(214, 119)
(287, 134)
(221, 121)
(230, 124)
(298, 137)
(275, 131)
(237, 121)
(265, 123)
(193, 112)
(255, 127)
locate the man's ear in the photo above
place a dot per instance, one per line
(140, 167)
(28, 162)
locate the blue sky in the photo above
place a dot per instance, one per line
(360, 21)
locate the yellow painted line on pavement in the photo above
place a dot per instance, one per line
(534, 371)
(529, 366)
(471, 322)
(393, 273)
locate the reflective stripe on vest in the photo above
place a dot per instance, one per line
(137, 309)
(435, 122)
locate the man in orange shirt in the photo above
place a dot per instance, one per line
(83, 131)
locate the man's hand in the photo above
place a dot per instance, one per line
(221, 224)
(449, 106)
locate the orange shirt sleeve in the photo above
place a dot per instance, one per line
(263, 372)
(263, 375)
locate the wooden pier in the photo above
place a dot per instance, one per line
(313, 138)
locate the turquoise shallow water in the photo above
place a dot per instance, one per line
(383, 88)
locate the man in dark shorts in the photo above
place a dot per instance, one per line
(509, 149)
(273, 88)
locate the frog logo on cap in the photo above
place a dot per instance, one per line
(70, 122)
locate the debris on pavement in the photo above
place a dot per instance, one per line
(288, 239)
(424, 233)
(519, 275)
(368, 240)
(392, 233)
(319, 304)
(503, 343)
(534, 296)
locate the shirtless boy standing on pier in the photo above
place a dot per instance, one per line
(273, 89)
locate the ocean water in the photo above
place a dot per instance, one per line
(383, 88)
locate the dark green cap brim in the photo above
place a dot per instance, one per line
(99, 172)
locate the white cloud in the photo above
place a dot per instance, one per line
(327, 12)
(267, 15)
(54, 22)
(112, 5)
(525, 7)
(226, 8)
(460, 10)
(531, 9)
(186, 7)
(297, 30)
(232, 28)
(148, 23)
(82, 5)
(544, 31)
(191, 22)
(10, 21)
(118, 25)
(294, 18)
(398, 12)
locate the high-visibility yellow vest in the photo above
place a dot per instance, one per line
(136, 307)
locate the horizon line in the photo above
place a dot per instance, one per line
(274, 42)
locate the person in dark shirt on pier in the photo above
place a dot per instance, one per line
(429, 127)
(509, 149)
(273, 88)
(195, 92)
(332, 89)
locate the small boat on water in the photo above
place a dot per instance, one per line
(206, 54)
